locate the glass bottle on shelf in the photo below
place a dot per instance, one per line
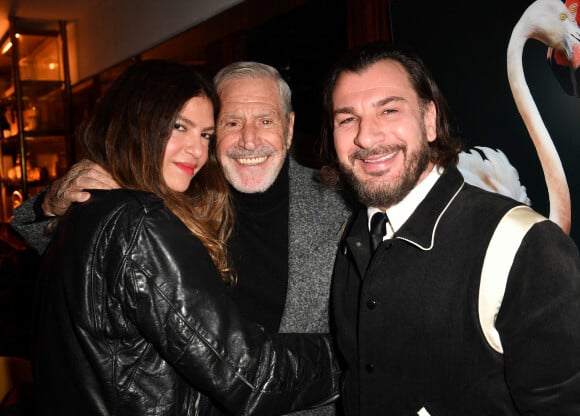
(31, 117)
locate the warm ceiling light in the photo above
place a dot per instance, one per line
(6, 47)
(8, 44)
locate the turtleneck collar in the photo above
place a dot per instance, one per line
(262, 202)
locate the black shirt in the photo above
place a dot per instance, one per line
(259, 252)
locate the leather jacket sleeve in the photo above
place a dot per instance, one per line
(168, 288)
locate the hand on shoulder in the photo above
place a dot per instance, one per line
(71, 187)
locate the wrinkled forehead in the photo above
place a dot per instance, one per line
(250, 90)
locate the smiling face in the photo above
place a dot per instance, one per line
(381, 133)
(187, 148)
(253, 133)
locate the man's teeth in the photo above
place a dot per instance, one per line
(252, 160)
(380, 159)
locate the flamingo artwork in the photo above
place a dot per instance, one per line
(554, 24)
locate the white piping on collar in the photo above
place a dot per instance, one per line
(435, 226)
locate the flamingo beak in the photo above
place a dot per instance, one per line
(567, 72)
(566, 64)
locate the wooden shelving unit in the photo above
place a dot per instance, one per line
(36, 123)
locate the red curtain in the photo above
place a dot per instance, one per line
(368, 21)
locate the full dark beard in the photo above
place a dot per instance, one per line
(387, 194)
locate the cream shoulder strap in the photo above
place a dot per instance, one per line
(499, 257)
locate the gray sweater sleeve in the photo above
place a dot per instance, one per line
(31, 229)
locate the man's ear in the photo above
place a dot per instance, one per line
(430, 120)
(290, 129)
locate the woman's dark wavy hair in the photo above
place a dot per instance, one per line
(127, 135)
(444, 150)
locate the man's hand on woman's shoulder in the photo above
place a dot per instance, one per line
(71, 187)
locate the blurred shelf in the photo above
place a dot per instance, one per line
(36, 123)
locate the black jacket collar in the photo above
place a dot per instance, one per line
(419, 230)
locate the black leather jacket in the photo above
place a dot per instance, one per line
(134, 319)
